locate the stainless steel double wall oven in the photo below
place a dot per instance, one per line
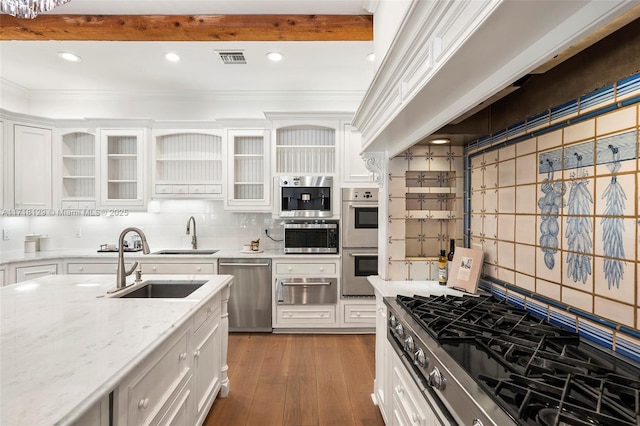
(359, 240)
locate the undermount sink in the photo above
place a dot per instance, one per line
(186, 251)
(165, 289)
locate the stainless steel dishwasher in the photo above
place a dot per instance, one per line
(250, 300)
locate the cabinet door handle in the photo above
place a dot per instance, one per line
(183, 356)
(197, 353)
(143, 403)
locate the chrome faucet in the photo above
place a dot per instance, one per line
(122, 274)
(194, 239)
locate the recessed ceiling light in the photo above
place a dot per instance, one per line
(275, 56)
(172, 57)
(68, 56)
(371, 57)
(440, 141)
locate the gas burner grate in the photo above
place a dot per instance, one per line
(571, 400)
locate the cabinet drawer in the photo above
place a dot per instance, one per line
(180, 189)
(151, 389)
(196, 189)
(94, 268)
(163, 189)
(178, 412)
(306, 268)
(360, 314)
(178, 268)
(208, 310)
(307, 315)
(32, 272)
(407, 398)
(213, 189)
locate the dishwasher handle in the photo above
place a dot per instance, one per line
(304, 284)
(244, 264)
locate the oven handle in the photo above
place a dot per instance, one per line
(363, 254)
(362, 206)
(283, 283)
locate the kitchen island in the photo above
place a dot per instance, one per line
(66, 346)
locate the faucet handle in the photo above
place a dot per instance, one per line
(133, 268)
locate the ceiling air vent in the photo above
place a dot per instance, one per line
(235, 57)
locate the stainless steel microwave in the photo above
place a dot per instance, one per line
(311, 236)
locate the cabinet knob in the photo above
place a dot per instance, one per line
(357, 314)
(197, 353)
(321, 314)
(290, 314)
(143, 403)
(322, 269)
(81, 268)
(153, 268)
(183, 356)
(198, 269)
(415, 418)
(290, 268)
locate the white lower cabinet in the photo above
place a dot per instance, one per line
(358, 313)
(24, 273)
(1, 277)
(300, 315)
(179, 381)
(382, 382)
(206, 363)
(110, 267)
(409, 406)
(148, 392)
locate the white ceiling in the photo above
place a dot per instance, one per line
(140, 66)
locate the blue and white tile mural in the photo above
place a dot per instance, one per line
(586, 255)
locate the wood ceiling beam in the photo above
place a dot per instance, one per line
(189, 28)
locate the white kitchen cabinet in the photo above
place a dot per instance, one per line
(110, 266)
(79, 170)
(3, 166)
(150, 390)
(33, 152)
(409, 406)
(122, 167)
(248, 170)
(187, 164)
(304, 316)
(207, 340)
(382, 382)
(358, 313)
(31, 272)
(306, 150)
(2, 279)
(354, 172)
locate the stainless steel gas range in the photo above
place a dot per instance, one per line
(485, 362)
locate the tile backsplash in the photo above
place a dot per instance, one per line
(164, 228)
(554, 206)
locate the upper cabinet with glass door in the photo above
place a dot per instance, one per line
(187, 164)
(122, 180)
(79, 169)
(248, 171)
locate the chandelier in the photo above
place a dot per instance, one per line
(28, 9)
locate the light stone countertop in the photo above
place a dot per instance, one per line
(410, 288)
(64, 345)
(14, 256)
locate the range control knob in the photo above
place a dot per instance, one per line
(399, 330)
(477, 422)
(421, 359)
(392, 320)
(436, 379)
(408, 344)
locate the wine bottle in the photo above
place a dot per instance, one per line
(452, 249)
(442, 268)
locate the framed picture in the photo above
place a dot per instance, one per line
(465, 270)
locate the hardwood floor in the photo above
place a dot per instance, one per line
(297, 379)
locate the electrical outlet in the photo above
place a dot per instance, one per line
(77, 232)
(5, 234)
